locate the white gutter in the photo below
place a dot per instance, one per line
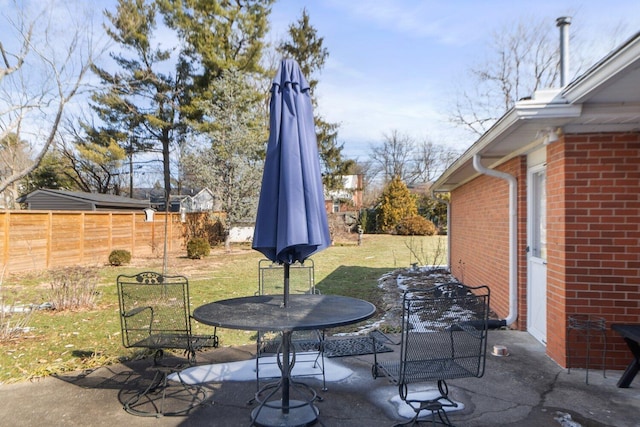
(513, 233)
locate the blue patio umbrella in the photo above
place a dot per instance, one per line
(291, 222)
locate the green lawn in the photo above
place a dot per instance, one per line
(71, 340)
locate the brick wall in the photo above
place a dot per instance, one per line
(593, 240)
(480, 236)
(593, 220)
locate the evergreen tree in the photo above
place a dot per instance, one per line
(232, 166)
(396, 203)
(140, 100)
(307, 49)
(51, 173)
(217, 35)
(155, 99)
(433, 210)
(95, 167)
(220, 34)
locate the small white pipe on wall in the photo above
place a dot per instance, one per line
(513, 234)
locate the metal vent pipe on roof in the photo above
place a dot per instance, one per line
(563, 23)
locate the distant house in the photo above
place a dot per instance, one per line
(348, 198)
(203, 201)
(189, 199)
(60, 200)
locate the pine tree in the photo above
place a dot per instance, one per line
(232, 166)
(155, 101)
(140, 100)
(217, 35)
(307, 49)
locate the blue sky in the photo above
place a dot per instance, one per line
(398, 64)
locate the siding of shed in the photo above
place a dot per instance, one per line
(43, 201)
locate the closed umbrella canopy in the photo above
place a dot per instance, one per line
(291, 222)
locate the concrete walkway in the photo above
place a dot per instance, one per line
(525, 388)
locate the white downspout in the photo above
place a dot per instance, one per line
(513, 234)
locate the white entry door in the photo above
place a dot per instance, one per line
(537, 254)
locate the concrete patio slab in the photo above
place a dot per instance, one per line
(525, 388)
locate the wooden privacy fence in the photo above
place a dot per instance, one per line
(40, 240)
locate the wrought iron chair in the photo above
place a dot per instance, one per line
(308, 345)
(155, 315)
(444, 336)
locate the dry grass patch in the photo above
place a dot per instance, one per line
(88, 337)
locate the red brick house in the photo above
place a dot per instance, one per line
(545, 207)
(349, 198)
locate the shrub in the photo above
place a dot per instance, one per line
(368, 221)
(73, 288)
(416, 226)
(119, 257)
(395, 203)
(198, 248)
(206, 225)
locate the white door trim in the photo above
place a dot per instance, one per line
(536, 253)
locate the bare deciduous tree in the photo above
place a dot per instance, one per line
(391, 158)
(524, 59)
(45, 59)
(413, 162)
(14, 155)
(430, 160)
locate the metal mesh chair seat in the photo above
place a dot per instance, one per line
(423, 370)
(176, 341)
(444, 336)
(155, 314)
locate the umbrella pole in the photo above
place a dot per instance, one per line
(286, 284)
(286, 341)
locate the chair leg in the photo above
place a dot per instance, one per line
(157, 400)
(436, 406)
(157, 356)
(324, 380)
(319, 362)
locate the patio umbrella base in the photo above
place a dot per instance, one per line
(300, 414)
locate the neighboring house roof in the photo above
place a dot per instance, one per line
(46, 199)
(603, 99)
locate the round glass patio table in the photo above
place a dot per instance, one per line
(268, 313)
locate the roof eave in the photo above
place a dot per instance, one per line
(549, 109)
(615, 62)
